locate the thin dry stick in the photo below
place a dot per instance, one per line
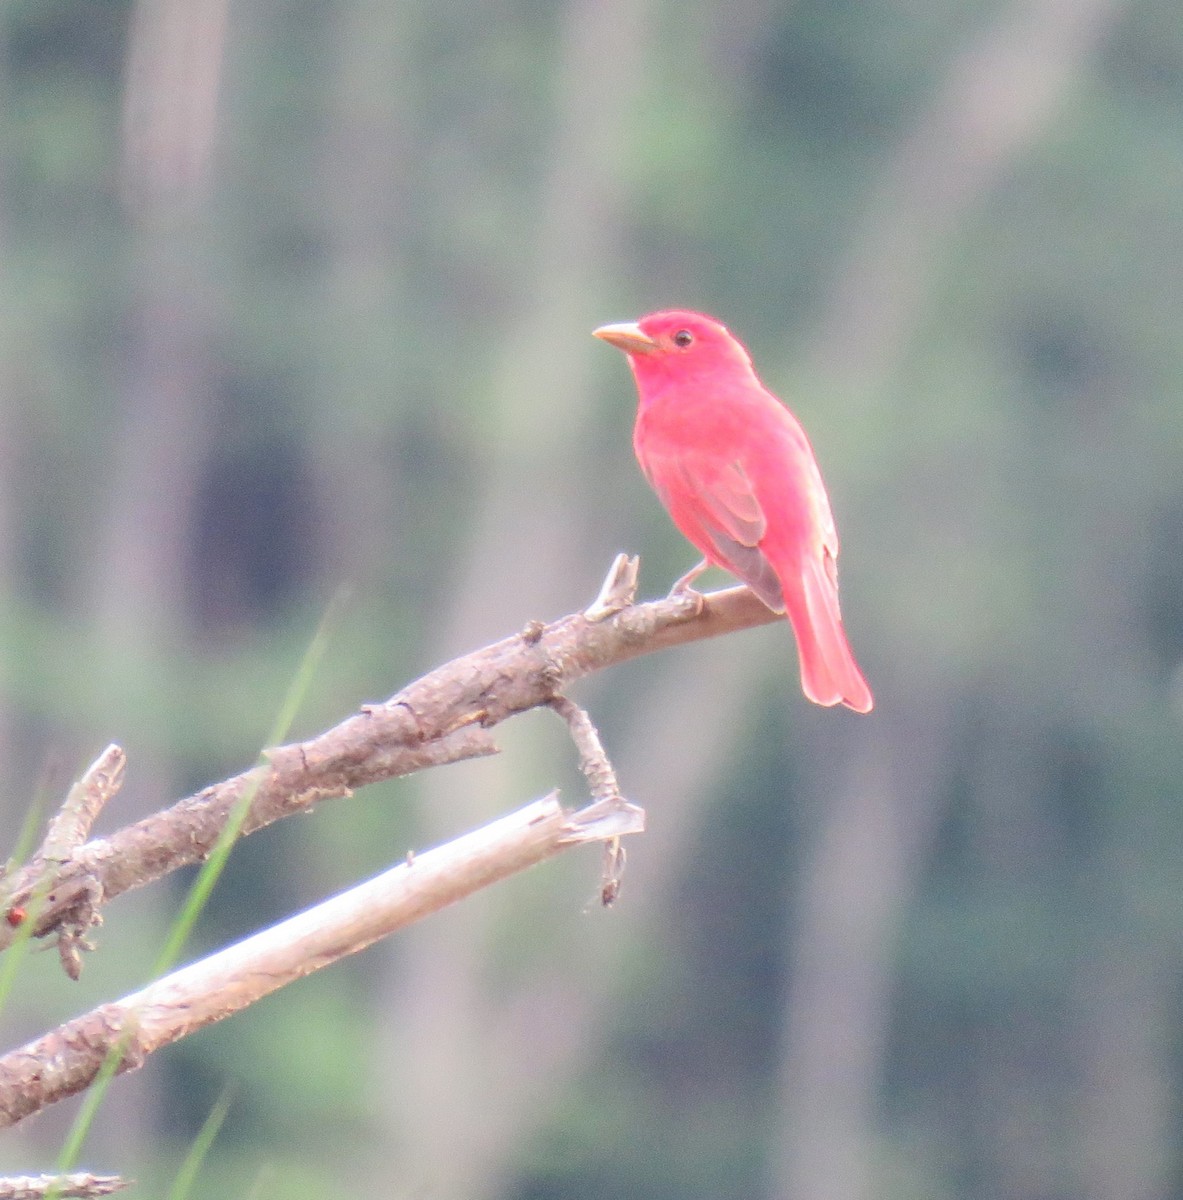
(442, 717)
(65, 1061)
(77, 1186)
(601, 780)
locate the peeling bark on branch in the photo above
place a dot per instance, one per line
(66, 1060)
(442, 717)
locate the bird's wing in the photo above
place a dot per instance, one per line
(716, 507)
(823, 519)
(801, 465)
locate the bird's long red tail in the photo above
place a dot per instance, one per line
(829, 674)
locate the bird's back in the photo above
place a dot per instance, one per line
(703, 430)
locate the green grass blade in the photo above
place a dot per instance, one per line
(86, 1112)
(213, 866)
(22, 940)
(187, 1175)
(203, 885)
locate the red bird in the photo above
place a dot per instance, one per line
(737, 474)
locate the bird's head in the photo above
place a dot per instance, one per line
(676, 344)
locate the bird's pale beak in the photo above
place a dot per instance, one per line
(626, 336)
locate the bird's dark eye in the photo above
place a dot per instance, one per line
(683, 338)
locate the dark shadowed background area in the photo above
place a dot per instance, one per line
(296, 298)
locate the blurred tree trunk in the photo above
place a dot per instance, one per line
(1124, 1030)
(138, 585)
(21, 753)
(368, 222)
(166, 429)
(471, 1061)
(16, 800)
(457, 1139)
(1122, 997)
(862, 872)
(997, 98)
(161, 439)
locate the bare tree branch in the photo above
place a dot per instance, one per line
(66, 1060)
(442, 717)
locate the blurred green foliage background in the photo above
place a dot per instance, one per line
(296, 298)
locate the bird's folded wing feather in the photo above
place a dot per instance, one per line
(716, 501)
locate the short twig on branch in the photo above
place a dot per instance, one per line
(71, 826)
(618, 590)
(68, 830)
(66, 1060)
(442, 717)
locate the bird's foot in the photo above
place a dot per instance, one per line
(684, 586)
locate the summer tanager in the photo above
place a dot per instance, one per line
(737, 474)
